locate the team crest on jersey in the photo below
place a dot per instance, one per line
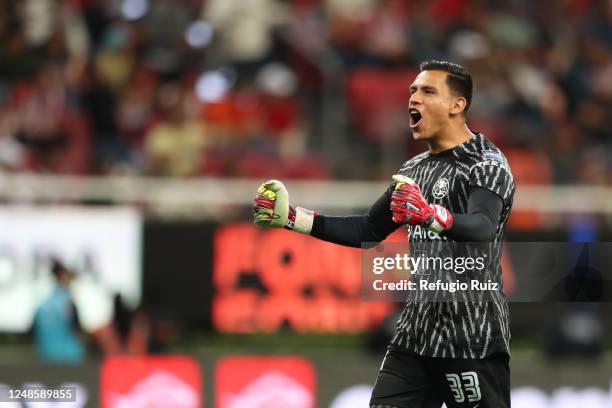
(440, 189)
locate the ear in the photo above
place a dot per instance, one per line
(458, 105)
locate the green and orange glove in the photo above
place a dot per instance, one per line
(271, 209)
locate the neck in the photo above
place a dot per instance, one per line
(449, 138)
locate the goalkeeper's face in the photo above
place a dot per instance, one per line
(431, 105)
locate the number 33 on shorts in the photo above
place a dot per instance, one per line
(464, 386)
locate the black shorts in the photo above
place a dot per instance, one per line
(407, 380)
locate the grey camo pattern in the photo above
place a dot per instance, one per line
(472, 328)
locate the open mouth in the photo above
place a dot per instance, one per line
(415, 117)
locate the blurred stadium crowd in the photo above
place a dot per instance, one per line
(187, 88)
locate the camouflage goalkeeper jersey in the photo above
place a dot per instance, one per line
(466, 328)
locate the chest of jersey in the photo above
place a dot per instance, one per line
(443, 182)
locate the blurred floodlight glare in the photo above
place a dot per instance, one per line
(199, 34)
(134, 9)
(212, 86)
(276, 79)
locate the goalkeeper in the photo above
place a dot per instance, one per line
(461, 189)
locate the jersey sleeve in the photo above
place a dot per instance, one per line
(372, 227)
(493, 175)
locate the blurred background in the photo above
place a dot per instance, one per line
(133, 136)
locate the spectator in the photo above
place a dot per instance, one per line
(281, 113)
(72, 67)
(133, 327)
(56, 137)
(55, 322)
(175, 145)
(245, 29)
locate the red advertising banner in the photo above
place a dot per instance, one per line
(151, 382)
(265, 382)
(266, 279)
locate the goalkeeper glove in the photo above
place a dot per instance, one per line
(409, 206)
(271, 209)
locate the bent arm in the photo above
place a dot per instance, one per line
(480, 222)
(372, 227)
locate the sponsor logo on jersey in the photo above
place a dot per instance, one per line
(492, 155)
(440, 189)
(418, 233)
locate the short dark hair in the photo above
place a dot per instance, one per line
(458, 78)
(58, 267)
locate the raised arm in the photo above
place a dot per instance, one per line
(372, 227)
(479, 224)
(271, 208)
